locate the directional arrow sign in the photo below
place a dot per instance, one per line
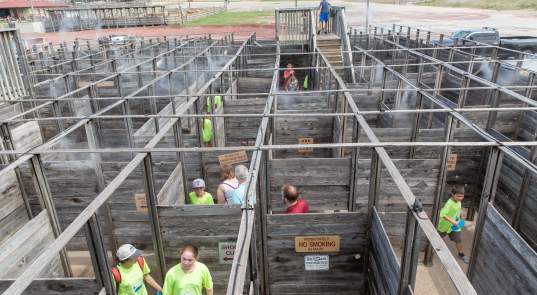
(226, 250)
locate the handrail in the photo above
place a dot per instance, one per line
(293, 26)
(340, 29)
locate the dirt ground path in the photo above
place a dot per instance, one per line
(262, 32)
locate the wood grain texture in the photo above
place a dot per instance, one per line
(323, 182)
(286, 267)
(505, 263)
(383, 261)
(63, 286)
(22, 248)
(204, 227)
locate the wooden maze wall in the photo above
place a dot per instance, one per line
(204, 227)
(505, 263)
(286, 267)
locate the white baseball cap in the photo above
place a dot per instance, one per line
(127, 251)
(198, 183)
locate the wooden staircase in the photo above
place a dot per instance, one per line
(330, 46)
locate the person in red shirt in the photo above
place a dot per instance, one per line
(288, 76)
(294, 203)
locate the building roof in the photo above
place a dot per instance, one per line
(5, 4)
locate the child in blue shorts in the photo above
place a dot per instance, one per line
(323, 15)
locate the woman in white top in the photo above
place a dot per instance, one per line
(228, 185)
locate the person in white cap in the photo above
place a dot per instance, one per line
(199, 196)
(131, 272)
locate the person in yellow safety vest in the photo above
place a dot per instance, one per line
(207, 131)
(217, 102)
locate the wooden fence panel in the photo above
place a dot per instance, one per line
(21, 249)
(323, 182)
(383, 261)
(204, 227)
(505, 263)
(63, 286)
(287, 274)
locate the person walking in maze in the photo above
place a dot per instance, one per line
(451, 223)
(132, 272)
(190, 276)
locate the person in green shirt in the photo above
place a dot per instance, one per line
(450, 222)
(189, 277)
(131, 272)
(199, 196)
(217, 100)
(207, 131)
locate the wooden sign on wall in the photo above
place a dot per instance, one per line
(233, 158)
(305, 140)
(226, 251)
(452, 162)
(317, 244)
(141, 202)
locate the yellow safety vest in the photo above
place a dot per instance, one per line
(207, 130)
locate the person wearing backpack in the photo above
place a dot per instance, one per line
(224, 193)
(131, 272)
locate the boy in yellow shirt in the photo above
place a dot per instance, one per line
(450, 222)
(199, 196)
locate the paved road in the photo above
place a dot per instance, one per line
(437, 19)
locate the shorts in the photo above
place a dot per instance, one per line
(323, 17)
(455, 236)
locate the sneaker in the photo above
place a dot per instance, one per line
(464, 258)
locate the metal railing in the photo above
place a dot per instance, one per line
(339, 28)
(294, 26)
(13, 66)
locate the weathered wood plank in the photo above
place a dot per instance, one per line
(385, 260)
(285, 265)
(22, 248)
(63, 286)
(502, 251)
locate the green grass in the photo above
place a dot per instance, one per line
(485, 4)
(235, 18)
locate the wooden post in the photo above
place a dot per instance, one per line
(409, 259)
(354, 166)
(524, 188)
(442, 178)
(7, 139)
(489, 190)
(47, 203)
(151, 199)
(374, 187)
(98, 253)
(93, 142)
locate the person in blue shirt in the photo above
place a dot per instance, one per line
(323, 15)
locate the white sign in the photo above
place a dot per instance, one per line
(316, 262)
(226, 250)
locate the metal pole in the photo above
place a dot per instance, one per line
(367, 17)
